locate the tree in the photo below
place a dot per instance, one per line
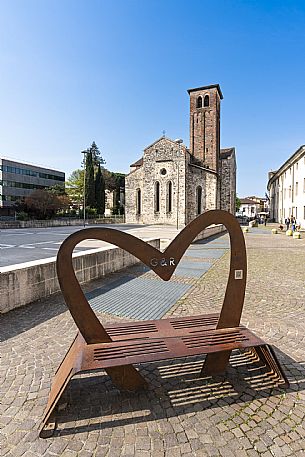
(43, 204)
(237, 203)
(110, 179)
(99, 191)
(75, 187)
(89, 185)
(57, 189)
(119, 190)
(96, 155)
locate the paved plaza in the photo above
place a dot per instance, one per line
(240, 414)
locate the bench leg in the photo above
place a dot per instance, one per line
(68, 367)
(126, 377)
(268, 356)
(215, 363)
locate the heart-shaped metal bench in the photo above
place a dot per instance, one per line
(115, 348)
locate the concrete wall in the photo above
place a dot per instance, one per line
(24, 283)
(60, 222)
(211, 231)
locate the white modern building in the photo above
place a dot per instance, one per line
(286, 188)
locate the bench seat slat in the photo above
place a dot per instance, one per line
(117, 353)
(162, 328)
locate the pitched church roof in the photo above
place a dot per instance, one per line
(138, 163)
(159, 139)
(226, 153)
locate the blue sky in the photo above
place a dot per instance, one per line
(117, 72)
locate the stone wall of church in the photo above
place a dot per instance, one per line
(196, 177)
(133, 182)
(228, 184)
(161, 162)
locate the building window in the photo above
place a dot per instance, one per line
(297, 165)
(138, 201)
(199, 199)
(206, 101)
(169, 197)
(163, 171)
(199, 102)
(296, 188)
(157, 197)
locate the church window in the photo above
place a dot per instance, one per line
(157, 197)
(199, 199)
(169, 202)
(163, 171)
(199, 102)
(206, 101)
(138, 201)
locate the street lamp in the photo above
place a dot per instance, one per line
(84, 204)
(179, 142)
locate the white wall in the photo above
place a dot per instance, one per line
(289, 192)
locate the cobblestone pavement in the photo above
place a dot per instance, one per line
(240, 414)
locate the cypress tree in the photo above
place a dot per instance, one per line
(90, 187)
(99, 191)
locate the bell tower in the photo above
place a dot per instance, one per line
(205, 125)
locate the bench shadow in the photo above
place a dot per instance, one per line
(174, 388)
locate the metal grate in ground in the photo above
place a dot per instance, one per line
(205, 253)
(137, 298)
(150, 298)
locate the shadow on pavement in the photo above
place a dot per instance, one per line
(175, 388)
(26, 317)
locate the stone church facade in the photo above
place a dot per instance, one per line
(172, 184)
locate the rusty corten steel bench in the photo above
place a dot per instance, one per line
(116, 347)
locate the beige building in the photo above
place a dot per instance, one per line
(286, 188)
(172, 184)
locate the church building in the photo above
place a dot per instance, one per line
(172, 184)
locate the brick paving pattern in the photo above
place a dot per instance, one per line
(240, 414)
